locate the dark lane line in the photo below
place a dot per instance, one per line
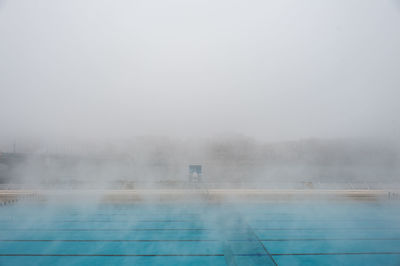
(196, 240)
(111, 255)
(336, 253)
(193, 229)
(108, 240)
(327, 228)
(113, 229)
(105, 221)
(327, 239)
(193, 220)
(314, 221)
(198, 255)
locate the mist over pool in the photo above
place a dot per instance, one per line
(199, 132)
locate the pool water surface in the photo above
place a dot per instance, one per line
(342, 233)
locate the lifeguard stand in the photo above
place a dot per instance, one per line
(195, 174)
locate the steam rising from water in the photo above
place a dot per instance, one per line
(227, 163)
(103, 97)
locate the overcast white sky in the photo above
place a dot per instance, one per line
(274, 70)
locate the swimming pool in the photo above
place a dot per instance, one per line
(341, 233)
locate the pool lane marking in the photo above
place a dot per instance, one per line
(192, 229)
(117, 221)
(198, 255)
(124, 230)
(198, 240)
(330, 239)
(112, 255)
(326, 228)
(109, 240)
(125, 221)
(180, 221)
(259, 241)
(335, 253)
(265, 249)
(106, 221)
(16, 217)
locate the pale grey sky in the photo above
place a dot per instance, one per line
(274, 70)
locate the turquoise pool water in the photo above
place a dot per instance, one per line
(350, 233)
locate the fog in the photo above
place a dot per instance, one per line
(290, 108)
(255, 91)
(234, 162)
(274, 71)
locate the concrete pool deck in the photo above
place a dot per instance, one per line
(195, 194)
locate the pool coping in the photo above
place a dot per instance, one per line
(195, 194)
